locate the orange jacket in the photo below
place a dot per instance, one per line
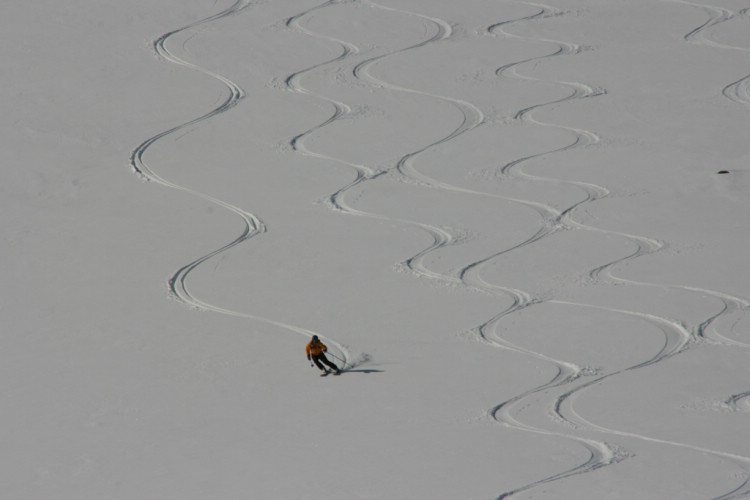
(315, 350)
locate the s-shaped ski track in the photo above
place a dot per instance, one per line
(252, 225)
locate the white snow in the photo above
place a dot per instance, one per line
(506, 215)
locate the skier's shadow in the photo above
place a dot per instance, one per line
(362, 370)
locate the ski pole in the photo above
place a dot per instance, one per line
(345, 363)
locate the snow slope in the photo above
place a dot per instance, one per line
(506, 217)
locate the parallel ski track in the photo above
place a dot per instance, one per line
(739, 90)
(252, 225)
(678, 337)
(601, 453)
(678, 340)
(337, 200)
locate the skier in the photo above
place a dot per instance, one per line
(316, 353)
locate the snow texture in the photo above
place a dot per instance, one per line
(520, 227)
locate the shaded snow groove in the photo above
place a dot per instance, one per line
(739, 93)
(337, 200)
(252, 225)
(340, 109)
(601, 453)
(739, 90)
(472, 118)
(730, 304)
(678, 338)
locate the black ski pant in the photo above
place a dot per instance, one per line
(321, 359)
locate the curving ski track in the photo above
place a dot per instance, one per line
(601, 453)
(739, 90)
(678, 337)
(252, 225)
(337, 200)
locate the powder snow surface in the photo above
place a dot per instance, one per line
(507, 218)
